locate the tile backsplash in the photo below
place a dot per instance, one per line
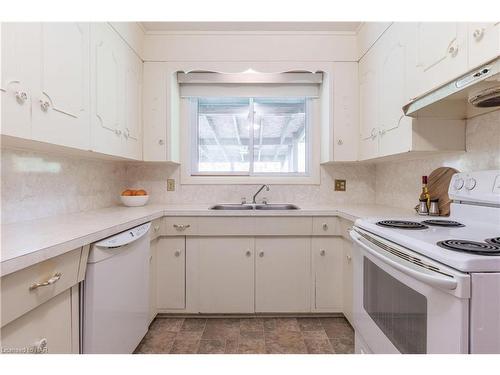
(398, 183)
(153, 178)
(36, 185)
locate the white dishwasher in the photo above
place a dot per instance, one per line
(115, 294)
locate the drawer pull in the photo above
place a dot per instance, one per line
(50, 281)
(348, 258)
(181, 227)
(177, 253)
(156, 228)
(325, 226)
(322, 253)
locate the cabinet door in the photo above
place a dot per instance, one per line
(483, 42)
(226, 275)
(368, 100)
(347, 279)
(20, 74)
(345, 111)
(152, 278)
(441, 53)
(171, 273)
(46, 329)
(327, 273)
(61, 103)
(391, 92)
(282, 274)
(107, 86)
(133, 104)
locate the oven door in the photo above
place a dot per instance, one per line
(406, 303)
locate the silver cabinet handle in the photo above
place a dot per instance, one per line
(181, 227)
(325, 226)
(340, 142)
(156, 228)
(118, 131)
(44, 105)
(322, 253)
(261, 254)
(348, 258)
(161, 142)
(177, 253)
(453, 48)
(21, 97)
(248, 253)
(50, 281)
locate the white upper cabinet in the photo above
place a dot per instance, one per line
(368, 99)
(61, 102)
(107, 86)
(441, 49)
(483, 42)
(345, 111)
(116, 87)
(19, 76)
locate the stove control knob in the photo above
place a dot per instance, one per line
(458, 184)
(470, 183)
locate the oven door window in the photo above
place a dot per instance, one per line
(399, 311)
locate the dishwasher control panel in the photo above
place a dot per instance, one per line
(125, 237)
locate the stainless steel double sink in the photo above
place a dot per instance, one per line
(244, 206)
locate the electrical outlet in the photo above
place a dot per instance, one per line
(340, 185)
(170, 184)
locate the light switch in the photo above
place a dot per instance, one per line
(340, 185)
(170, 184)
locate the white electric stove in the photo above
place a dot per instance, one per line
(426, 284)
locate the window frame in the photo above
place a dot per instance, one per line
(189, 149)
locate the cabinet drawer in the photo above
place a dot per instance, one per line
(180, 226)
(225, 226)
(19, 294)
(45, 329)
(326, 226)
(156, 228)
(282, 226)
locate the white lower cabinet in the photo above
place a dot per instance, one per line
(282, 274)
(347, 278)
(226, 275)
(327, 273)
(171, 273)
(152, 278)
(45, 329)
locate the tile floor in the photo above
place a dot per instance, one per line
(248, 336)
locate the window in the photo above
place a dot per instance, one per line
(250, 136)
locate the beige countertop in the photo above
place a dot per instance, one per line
(29, 242)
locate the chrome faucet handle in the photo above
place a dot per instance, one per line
(243, 200)
(264, 200)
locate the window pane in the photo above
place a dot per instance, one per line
(280, 135)
(223, 135)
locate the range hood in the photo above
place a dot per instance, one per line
(472, 94)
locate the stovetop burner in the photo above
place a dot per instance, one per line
(401, 224)
(481, 248)
(495, 241)
(443, 223)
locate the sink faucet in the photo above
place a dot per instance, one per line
(258, 191)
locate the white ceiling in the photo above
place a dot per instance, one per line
(251, 26)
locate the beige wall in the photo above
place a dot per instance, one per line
(398, 183)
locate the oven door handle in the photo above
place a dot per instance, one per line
(437, 281)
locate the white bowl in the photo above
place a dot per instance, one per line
(134, 200)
